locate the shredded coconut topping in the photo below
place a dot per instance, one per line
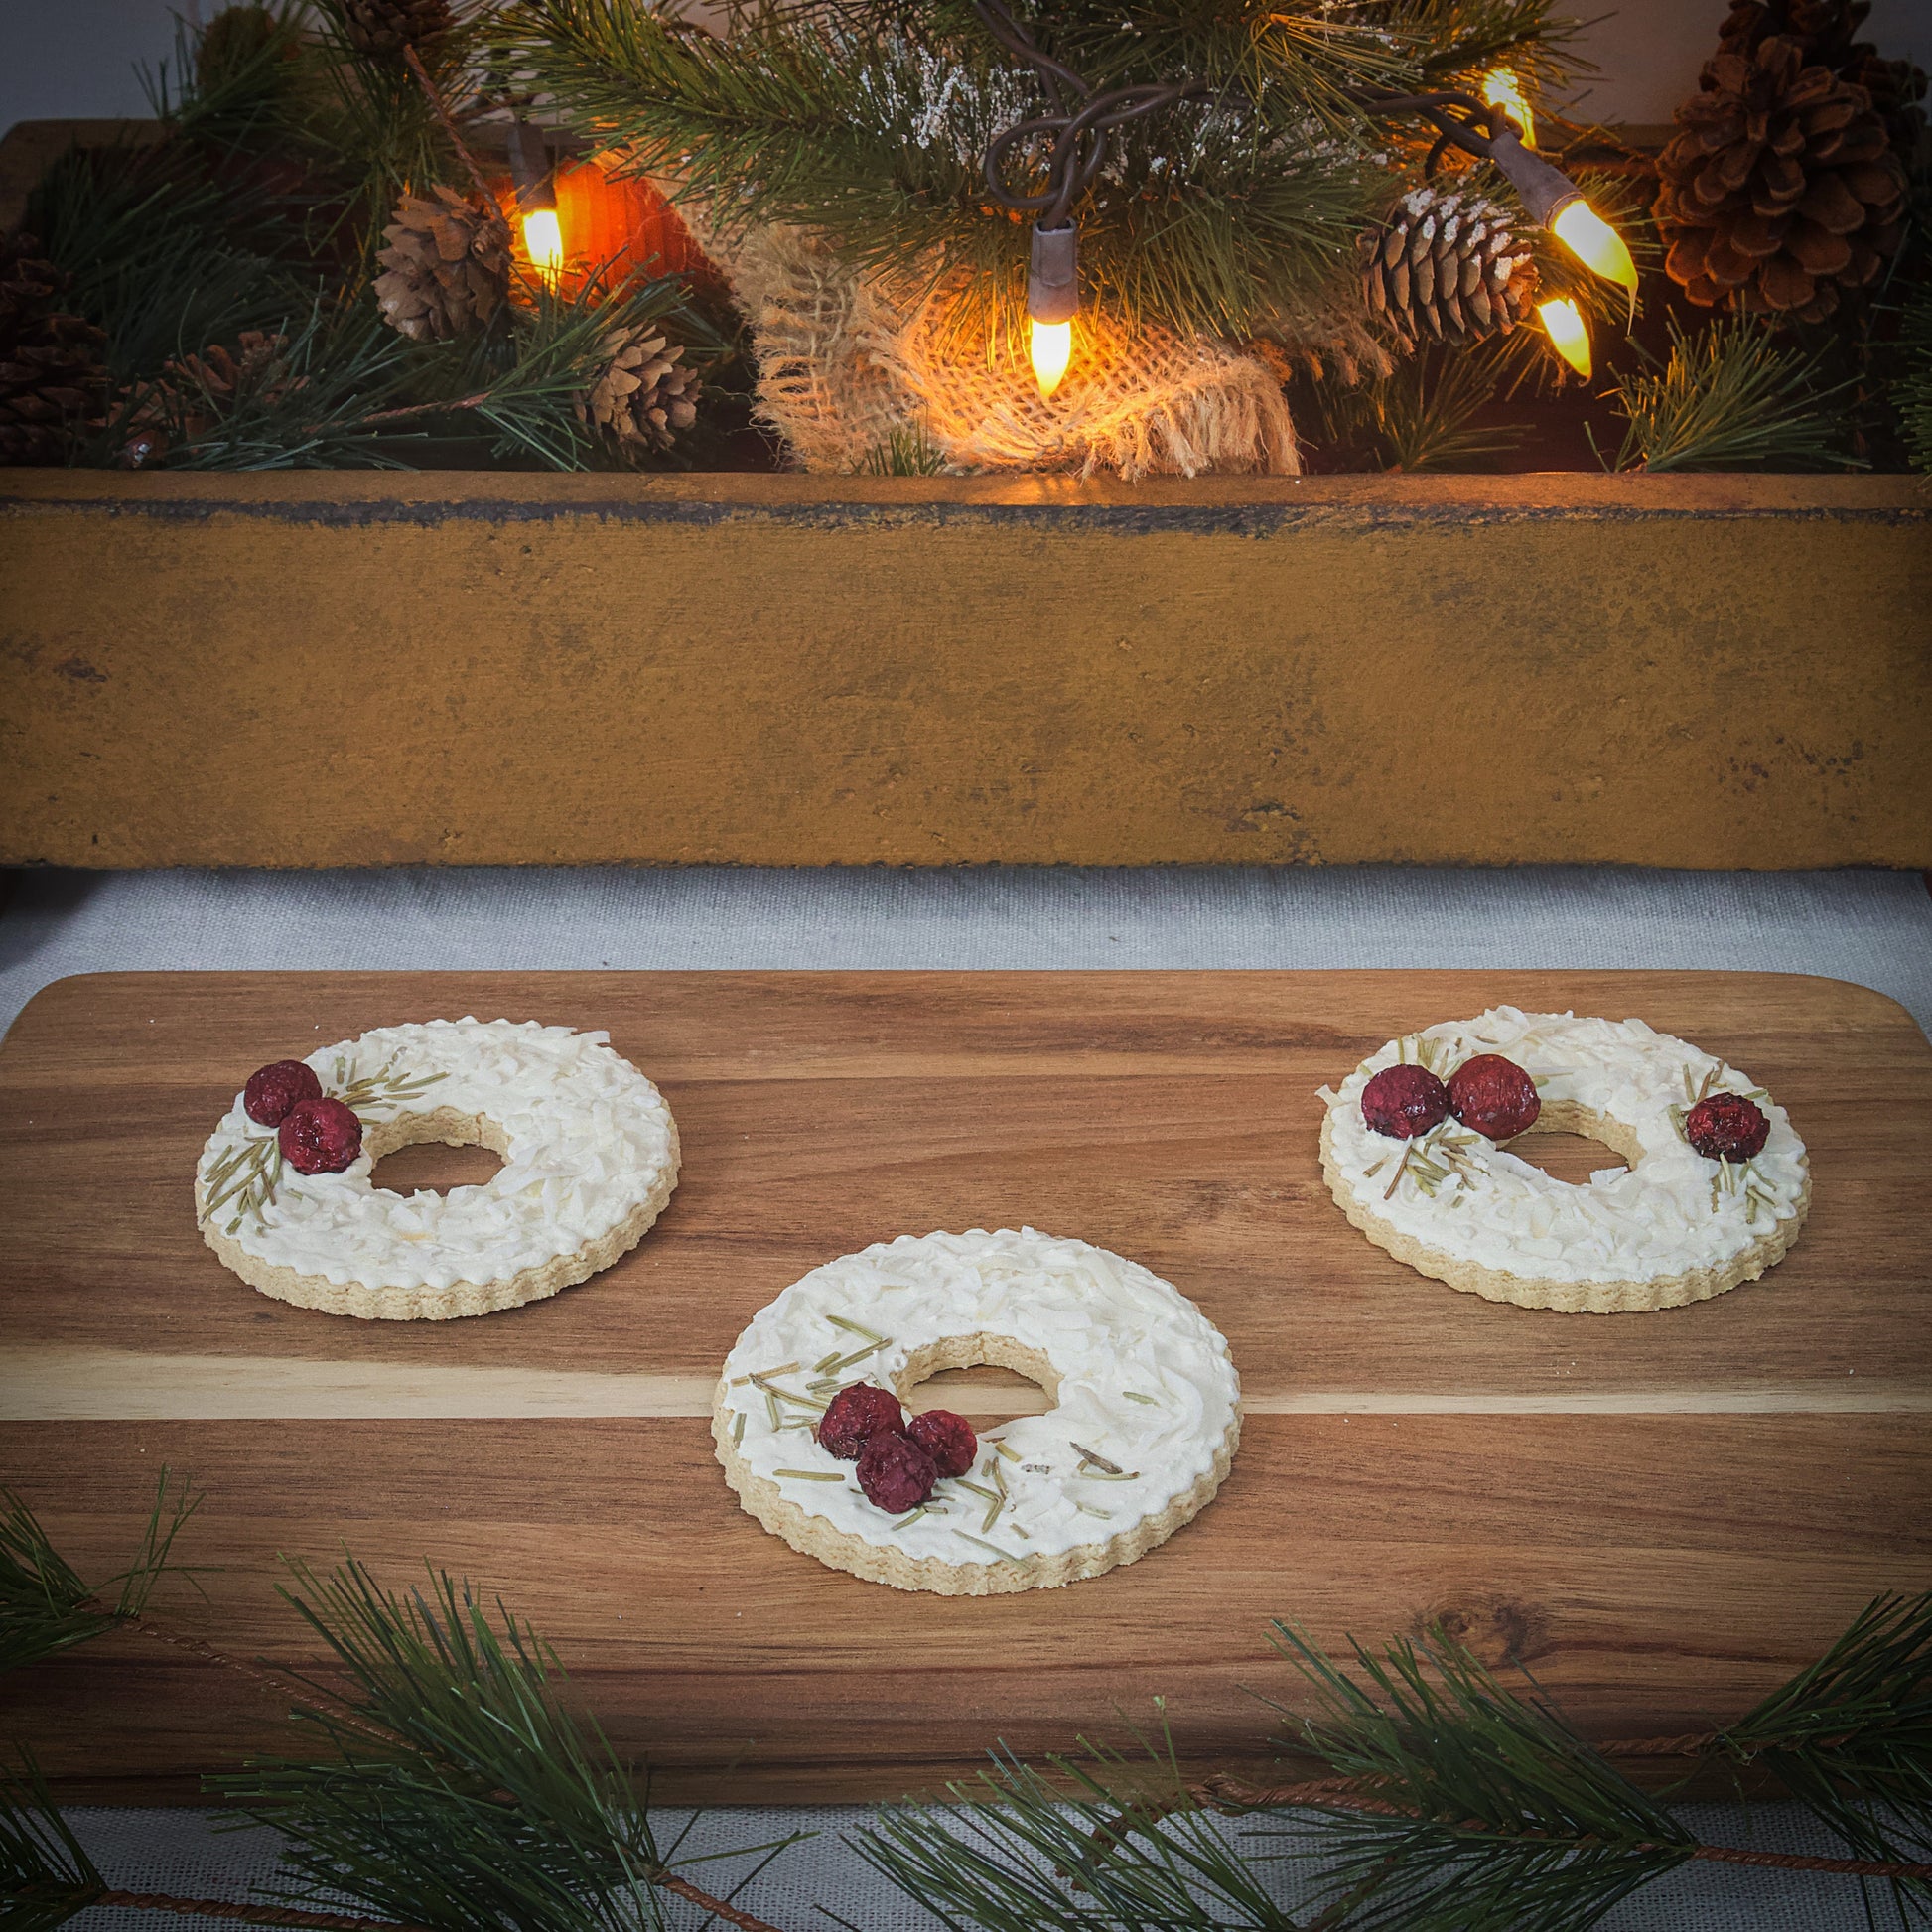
(1147, 1392)
(1670, 1211)
(586, 1139)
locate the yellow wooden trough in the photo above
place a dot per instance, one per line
(353, 669)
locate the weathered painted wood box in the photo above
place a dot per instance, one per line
(313, 669)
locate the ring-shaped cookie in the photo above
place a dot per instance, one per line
(1145, 1410)
(1669, 1228)
(590, 1157)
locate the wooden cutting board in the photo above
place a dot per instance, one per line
(1664, 1514)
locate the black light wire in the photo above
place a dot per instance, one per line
(1079, 140)
(1077, 133)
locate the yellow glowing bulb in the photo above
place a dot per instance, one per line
(1501, 89)
(1052, 350)
(543, 242)
(1594, 244)
(1568, 336)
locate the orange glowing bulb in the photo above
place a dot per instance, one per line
(1568, 334)
(1501, 89)
(543, 242)
(1594, 244)
(1051, 349)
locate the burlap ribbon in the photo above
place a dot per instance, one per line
(849, 357)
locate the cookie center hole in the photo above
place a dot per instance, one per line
(435, 1153)
(1565, 1156)
(1571, 1142)
(432, 1167)
(985, 1378)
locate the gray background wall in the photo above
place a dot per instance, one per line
(77, 57)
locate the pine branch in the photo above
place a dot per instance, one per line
(1446, 1804)
(344, 390)
(1426, 414)
(1729, 396)
(229, 1909)
(45, 1875)
(45, 1605)
(1089, 1849)
(451, 1788)
(1236, 1796)
(1912, 386)
(1498, 1814)
(1224, 213)
(905, 453)
(561, 343)
(1850, 1738)
(377, 124)
(1456, 42)
(148, 238)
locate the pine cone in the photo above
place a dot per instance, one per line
(1825, 29)
(381, 26)
(1447, 266)
(1780, 188)
(52, 377)
(642, 398)
(447, 268)
(197, 393)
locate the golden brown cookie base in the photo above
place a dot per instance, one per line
(459, 1299)
(1568, 1298)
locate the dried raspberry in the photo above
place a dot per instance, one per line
(1495, 1096)
(896, 1472)
(1404, 1101)
(272, 1090)
(857, 1414)
(947, 1439)
(1726, 1127)
(320, 1137)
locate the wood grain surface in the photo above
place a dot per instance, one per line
(1664, 1513)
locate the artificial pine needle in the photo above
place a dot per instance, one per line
(45, 1605)
(1730, 396)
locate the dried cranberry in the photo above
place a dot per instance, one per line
(1495, 1096)
(855, 1415)
(947, 1439)
(272, 1090)
(1404, 1101)
(1726, 1127)
(320, 1137)
(896, 1472)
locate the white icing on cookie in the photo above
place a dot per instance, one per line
(585, 1139)
(1670, 1211)
(1145, 1384)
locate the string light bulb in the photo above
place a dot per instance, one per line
(1053, 301)
(1594, 244)
(543, 242)
(536, 202)
(1551, 198)
(1051, 346)
(1568, 335)
(1501, 89)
